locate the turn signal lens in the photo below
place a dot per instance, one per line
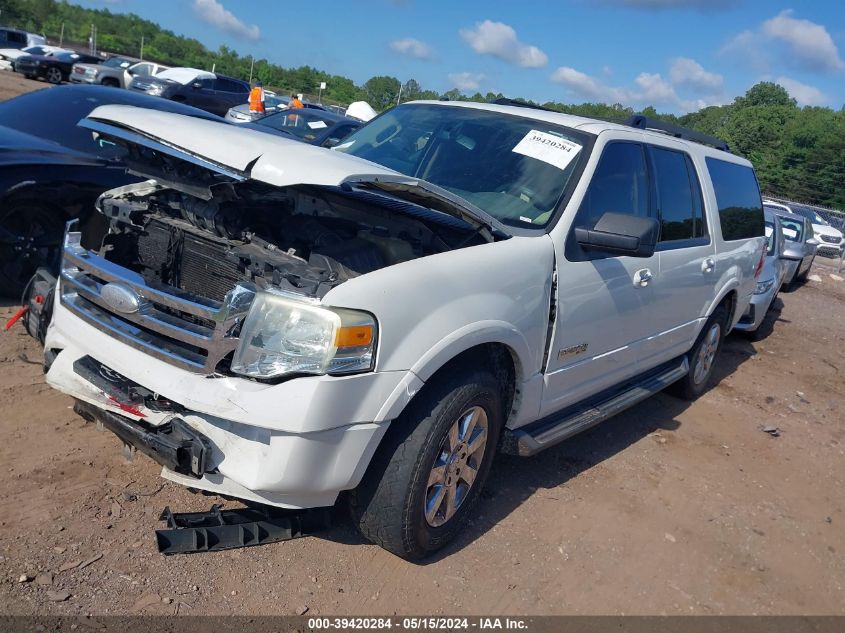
(356, 336)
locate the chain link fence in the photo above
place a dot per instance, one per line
(829, 226)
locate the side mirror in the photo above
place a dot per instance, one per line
(620, 234)
(196, 85)
(813, 242)
(331, 142)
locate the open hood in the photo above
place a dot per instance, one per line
(233, 153)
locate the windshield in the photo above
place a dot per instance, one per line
(304, 124)
(116, 62)
(516, 169)
(791, 229)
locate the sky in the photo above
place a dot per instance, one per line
(677, 55)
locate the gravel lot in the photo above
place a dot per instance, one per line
(670, 508)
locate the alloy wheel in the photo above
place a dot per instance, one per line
(456, 466)
(707, 354)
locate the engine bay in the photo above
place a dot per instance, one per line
(304, 239)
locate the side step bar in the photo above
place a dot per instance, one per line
(540, 435)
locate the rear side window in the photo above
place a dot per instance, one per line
(792, 229)
(619, 185)
(738, 199)
(679, 203)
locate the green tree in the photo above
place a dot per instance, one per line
(382, 91)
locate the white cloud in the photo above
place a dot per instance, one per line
(688, 72)
(217, 15)
(807, 45)
(499, 40)
(804, 94)
(647, 89)
(412, 48)
(466, 81)
(809, 42)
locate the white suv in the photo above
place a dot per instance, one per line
(831, 240)
(280, 323)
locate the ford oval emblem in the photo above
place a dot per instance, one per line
(120, 298)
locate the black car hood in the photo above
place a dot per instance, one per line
(20, 148)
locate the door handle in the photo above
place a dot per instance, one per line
(642, 277)
(708, 265)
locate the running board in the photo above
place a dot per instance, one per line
(540, 435)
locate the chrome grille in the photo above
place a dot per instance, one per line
(831, 239)
(177, 327)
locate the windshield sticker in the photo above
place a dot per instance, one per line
(316, 125)
(548, 148)
(790, 233)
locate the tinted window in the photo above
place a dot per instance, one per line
(678, 196)
(142, 70)
(619, 185)
(206, 83)
(53, 114)
(792, 229)
(229, 85)
(738, 199)
(16, 37)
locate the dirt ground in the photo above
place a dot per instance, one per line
(669, 508)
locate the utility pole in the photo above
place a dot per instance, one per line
(399, 96)
(142, 48)
(251, 66)
(62, 35)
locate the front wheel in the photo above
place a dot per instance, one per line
(427, 474)
(53, 75)
(702, 356)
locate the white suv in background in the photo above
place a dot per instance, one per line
(831, 240)
(280, 322)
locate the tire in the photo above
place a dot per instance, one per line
(702, 357)
(30, 237)
(53, 75)
(403, 502)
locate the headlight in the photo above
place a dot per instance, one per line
(155, 90)
(285, 336)
(764, 286)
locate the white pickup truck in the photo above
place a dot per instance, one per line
(282, 323)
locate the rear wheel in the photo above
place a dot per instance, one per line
(30, 237)
(53, 75)
(702, 356)
(426, 476)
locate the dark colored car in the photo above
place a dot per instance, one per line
(199, 88)
(52, 171)
(53, 68)
(317, 127)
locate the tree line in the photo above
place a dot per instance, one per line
(799, 153)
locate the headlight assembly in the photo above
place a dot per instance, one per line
(155, 90)
(282, 336)
(764, 286)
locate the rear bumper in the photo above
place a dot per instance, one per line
(756, 311)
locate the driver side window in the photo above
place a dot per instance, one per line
(619, 185)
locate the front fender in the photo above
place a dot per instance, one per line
(431, 309)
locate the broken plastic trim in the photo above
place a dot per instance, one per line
(189, 532)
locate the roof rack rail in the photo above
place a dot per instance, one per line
(519, 104)
(647, 123)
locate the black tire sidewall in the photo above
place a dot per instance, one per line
(482, 390)
(693, 389)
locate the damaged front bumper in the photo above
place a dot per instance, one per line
(296, 444)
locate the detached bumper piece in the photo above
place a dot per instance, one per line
(174, 445)
(218, 529)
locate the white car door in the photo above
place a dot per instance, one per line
(603, 301)
(687, 256)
